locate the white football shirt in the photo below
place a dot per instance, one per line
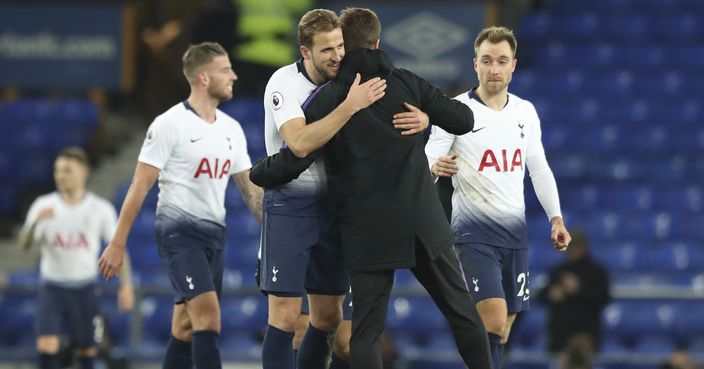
(488, 205)
(196, 159)
(71, 240)
(286, 92)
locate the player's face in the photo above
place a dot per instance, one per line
(494, 65)
(220, 78)
(326, 53)
(69, 175)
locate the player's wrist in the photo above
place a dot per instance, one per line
(557, 220)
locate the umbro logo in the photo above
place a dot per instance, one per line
(477, 130)
(196, 139)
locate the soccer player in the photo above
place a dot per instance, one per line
(300, 244)
(388, 211)
(69, 225)
(487, 168)
(193, 149)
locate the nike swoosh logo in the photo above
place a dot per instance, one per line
(196, 139)
(477, 130)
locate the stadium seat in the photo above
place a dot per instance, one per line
(116, 323)
(415, 314)
(658, 344)
(18, 310)
(244, 314)
(156, 311)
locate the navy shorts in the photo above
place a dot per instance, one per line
(301, 254)
(346, 306)
(192, 252)
(496, 272)
(74, 308)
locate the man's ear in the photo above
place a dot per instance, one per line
(305, 52)
(378, 44)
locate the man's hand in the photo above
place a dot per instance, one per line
(110, 261)
(44, 214)
(411, 122)
(559, 235)
(361, 96)
(125, 298)
(445, 166)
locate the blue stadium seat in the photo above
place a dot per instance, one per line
(638, 318)
(617, 255)
(143, 252)
(243, 224)
(530, 324)
(415, 314)
(117, 323)
(18, 310)
(8, 196)
(632, 28)
(83, 113)
(644, 58)
(628, 198)
(244, 314)
(404, 278)
(613, 344)
(156, 311)
(657, 344)
(242, 252)
(606, 225)
(248, 111)
(239, 346)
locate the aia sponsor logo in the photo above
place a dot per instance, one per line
(212, 170)
(70, 241)
(501, 163)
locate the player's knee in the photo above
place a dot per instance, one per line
(494, 324)
(283, 313)
(48, 345)
(342, 349)
(207, 322)
(327, 319)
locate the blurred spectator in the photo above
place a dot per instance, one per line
(575, 296)
(680, 359)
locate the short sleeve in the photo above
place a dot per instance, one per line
(109, 221)
(281, 98)
(241, 159)
(158, 144)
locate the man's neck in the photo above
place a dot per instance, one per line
(204, 106)
(72, 197)
(315, 77)
(495, 101)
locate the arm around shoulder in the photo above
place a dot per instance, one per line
(449, 114)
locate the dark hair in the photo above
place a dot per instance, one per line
(75, 153)
(361, 28)
(314, 22)
(199, 55)
(496, 35)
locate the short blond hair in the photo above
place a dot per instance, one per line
(198, 55)
(314, 22)
(495, 35)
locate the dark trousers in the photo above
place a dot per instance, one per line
(443, 280)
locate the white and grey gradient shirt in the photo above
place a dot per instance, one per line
(71, 240)
(286, 93)
(488, 205)
(196, 159)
